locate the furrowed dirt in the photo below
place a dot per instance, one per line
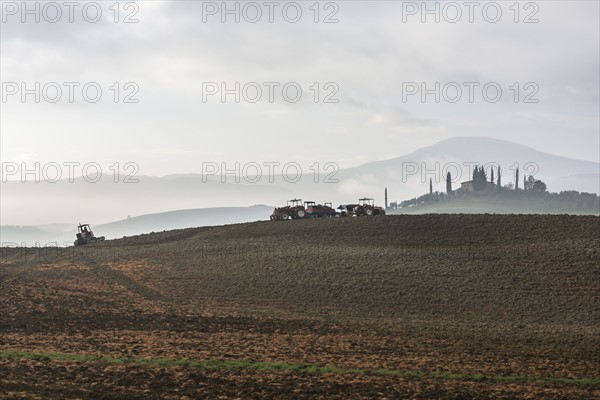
(431, 306)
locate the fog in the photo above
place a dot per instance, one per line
(168, 99)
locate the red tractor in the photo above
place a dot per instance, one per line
(294, 209)
(319, 210)
(366, 206)
(85, 235)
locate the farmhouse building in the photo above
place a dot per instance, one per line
(467, 186)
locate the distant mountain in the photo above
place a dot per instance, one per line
(408, 176)
(405, 177)
(30, 235)
(34, 203)
(484, 150)
(56, 227)
(12, 236)
(184, 219)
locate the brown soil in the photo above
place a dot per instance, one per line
(474, 295)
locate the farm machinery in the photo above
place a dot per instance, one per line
(309, 209)
(294, 209)
(366, 206)
(320, 210)
(346, 210)
(85, 235)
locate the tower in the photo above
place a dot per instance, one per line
(386, 200)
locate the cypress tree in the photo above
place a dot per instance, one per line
(517, 179)
(479, 179)
(430, 186)
(448, 183)
(499, 182)
(492, 175)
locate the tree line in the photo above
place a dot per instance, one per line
(481, 182)
(486, 185)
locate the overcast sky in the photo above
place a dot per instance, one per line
(369, 57)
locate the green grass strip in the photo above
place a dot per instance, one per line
(294, 367)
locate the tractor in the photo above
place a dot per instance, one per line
(85, 235)
(366, 206)
(294, 209)
(319, 210)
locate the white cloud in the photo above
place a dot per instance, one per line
(369, 53)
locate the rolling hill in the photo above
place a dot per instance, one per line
(408, 176)
(107, 201)
(157, 222)
(427, 306)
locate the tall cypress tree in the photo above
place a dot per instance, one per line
(430, 186)
(517, 179)
(479, 179)
(448, 183)
(492, 175)
(499, 175)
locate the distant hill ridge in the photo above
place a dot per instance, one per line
(156, 222)
(109, 201)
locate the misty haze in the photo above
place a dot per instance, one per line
(326, 199)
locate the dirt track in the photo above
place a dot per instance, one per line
(432, 306)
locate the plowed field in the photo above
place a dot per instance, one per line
(430, 306)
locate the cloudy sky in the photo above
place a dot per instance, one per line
(367, 61)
